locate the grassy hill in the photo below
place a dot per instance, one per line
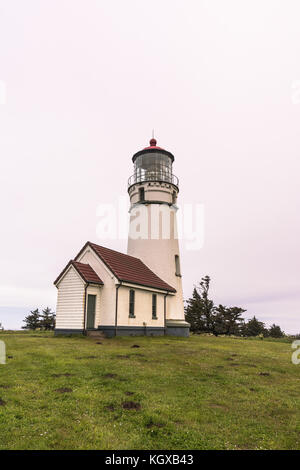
(170, 393)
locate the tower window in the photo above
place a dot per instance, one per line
(142, 194)
(174, 197)
(177, 266)
(154, 306)
(131, 303)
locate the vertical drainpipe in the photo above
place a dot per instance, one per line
(84, 310)
(116, 312)
(165, 312)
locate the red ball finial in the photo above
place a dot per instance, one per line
(153, 142)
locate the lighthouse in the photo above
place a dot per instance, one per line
(105, 292)
(153, 237)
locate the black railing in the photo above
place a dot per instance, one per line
(160, 177)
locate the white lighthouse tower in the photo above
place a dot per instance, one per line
(153, 192)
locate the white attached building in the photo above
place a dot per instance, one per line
(136, 293)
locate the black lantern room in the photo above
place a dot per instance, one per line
(153, 164)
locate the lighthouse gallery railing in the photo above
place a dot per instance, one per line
(160, 177)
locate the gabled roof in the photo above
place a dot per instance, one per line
(128, 268)
(84, 270)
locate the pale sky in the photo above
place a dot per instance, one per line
(82, 85)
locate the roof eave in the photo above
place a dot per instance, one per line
(64, 271)
(170, 289)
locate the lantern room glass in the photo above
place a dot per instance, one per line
(153, 167)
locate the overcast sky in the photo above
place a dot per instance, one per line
(82, 84)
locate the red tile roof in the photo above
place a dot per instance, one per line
(85, 271)
(128, 268)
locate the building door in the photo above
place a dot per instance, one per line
(91, 309)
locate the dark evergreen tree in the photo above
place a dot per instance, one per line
(204, 316)
(227, 320)
(218, 321)
(233, 320)
(275, 331)
(200, 309)
(254, 327)
(208, 304)
(47, 319)
(194, 312)
(32, 321)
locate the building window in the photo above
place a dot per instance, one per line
(142, 194)
(131, 303)
(154, 306)
(177, 266)
(174, 197)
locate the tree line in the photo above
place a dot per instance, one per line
(40, 321)
(204, 316)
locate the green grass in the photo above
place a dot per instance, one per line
(200, 392)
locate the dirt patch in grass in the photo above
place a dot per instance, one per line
(2, 402)
(98, 342)
(218, 406)
(123, 356)
(252, 389)
(135, 346)
(131, 405)
(5, 386)
(10, 357)
(155, 425)
(251, 365)
(110, 407)
(178, 422)
(265, 374)
(110, 376)
(38, 336)
(129, 393)
(66, 374)
(235, 364)
(63, 390)
(229, 359)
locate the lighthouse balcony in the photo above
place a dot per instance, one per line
(158, 177)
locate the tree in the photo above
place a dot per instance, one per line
(204, 316)
(218, 321)
(228, 320)
(199, 310)
(234, 320)
(275, 331)
(208, 304)
(254, 327)
(32, 321)
(194, 312)
(47, 321)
